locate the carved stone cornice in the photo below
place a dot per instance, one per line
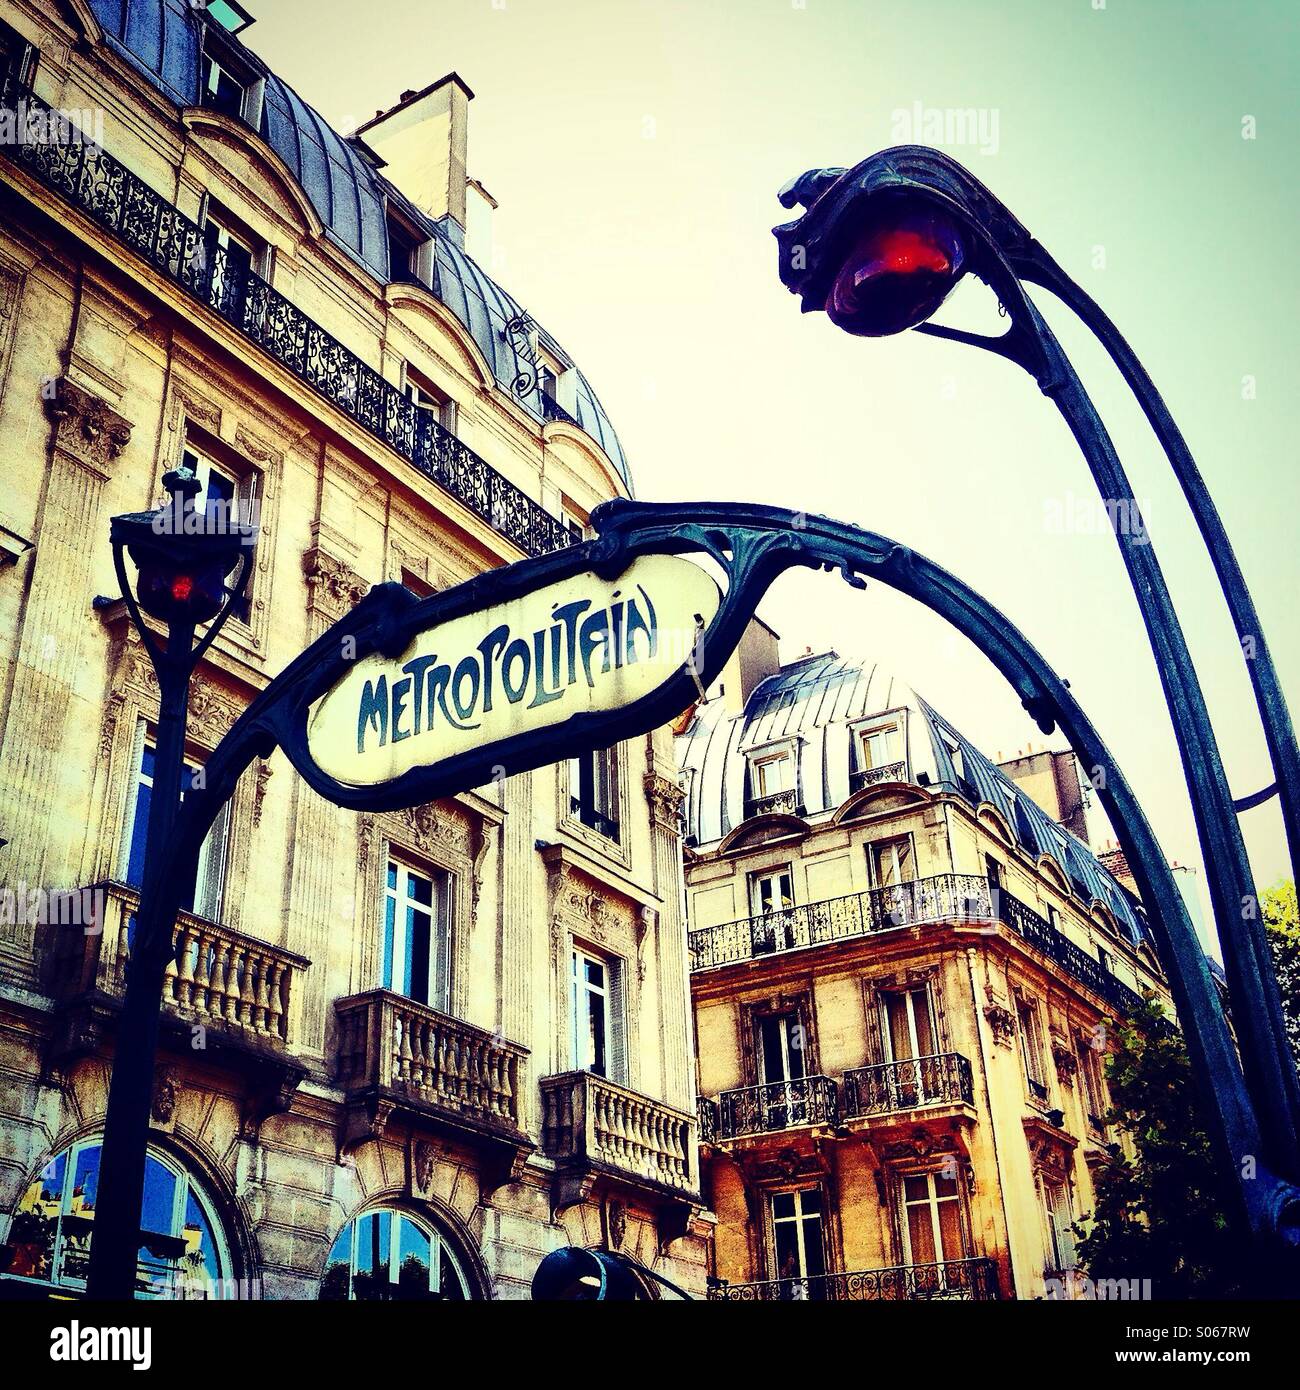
(333, 587)
(86, 429)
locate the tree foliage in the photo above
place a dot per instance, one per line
(1282, 922)
(1161, 1207)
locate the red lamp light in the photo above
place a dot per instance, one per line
(897, 273)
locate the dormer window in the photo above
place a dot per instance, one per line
(558, 382)
(228, 83)
(881, 753)
(410, 251)
(773, 781)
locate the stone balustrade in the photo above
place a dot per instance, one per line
(397, 1045)
(588, 1119)
(217, 977)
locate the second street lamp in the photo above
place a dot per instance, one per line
(878, 248)
(184, 561)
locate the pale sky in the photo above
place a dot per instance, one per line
(636, 149)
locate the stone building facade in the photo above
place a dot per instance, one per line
(903, 972)
(404, 1054)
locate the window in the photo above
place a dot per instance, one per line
(573, 520)
(1031, 1048)
(957, 756)
(773, 774)
(221, 89)
(429, 402)
(416, 583)
(411, 255)
(224, 492)
(17, 59)
(781, 1048)
(233, 252)
(206, 901)
(1094, 1090)
(889, 862)
(417, 935)
(558, 383)
(183, 1251)
(1060, 1219)
(993, 873)
(908, 1034)
(598, 1016)
(881, 746)
(227, 81)
(932, 1224)
(389, 1255)
(771, 891)
(593, 791)
(797, 1242)
(1053, 917)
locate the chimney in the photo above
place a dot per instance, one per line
(422, 141)
(755, 658)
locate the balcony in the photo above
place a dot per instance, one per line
(777, 1106)
(599, 1132)
(894, 1087)
(944, 897)
(174, 247)
(874, 776)
(918, 902)
(973, 1280)
(219, 978)
(396, 1055)
(784, 803)
(240, 991)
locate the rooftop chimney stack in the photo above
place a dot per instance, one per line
(423, 142)
(756, 657)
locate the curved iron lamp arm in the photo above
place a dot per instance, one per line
(1039, 268)
(916, 175)
(753, 545)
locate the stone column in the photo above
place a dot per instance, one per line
(665, 799)
(43, 793)
(318, 843)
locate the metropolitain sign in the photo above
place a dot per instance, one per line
(581, 645)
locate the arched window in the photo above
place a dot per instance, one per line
(183, 1252)
(389, 1255)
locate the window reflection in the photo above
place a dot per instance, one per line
(388, 1255)
(181, 1254)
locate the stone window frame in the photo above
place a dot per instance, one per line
(616, 851)
(133, 701)
(753, 1012)
(437, 837)
(230, 429)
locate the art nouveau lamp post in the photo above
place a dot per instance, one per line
(184, 562)
(879, 248)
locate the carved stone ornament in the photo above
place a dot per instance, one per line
(665, 798)
(615, 1223)
(433, 827)
(1002, 1022)
(85, 427)
(333, 587)
(1067, 1064)
(164, 1098)
(263, 775)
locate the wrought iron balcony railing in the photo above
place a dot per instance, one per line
(967, 1280)
(589, 1120)
(778, 803)
(397, 1046)
(873, 776)
(941, 898)
(943, 1078)
(175, 246)
(1039, 932)
(218, 977)
(778, 1105)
